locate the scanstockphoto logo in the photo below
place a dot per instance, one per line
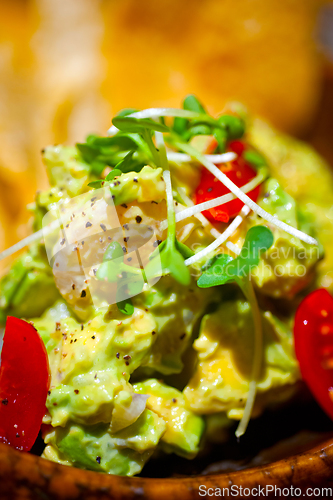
(96, 258)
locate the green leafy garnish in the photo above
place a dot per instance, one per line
(129, 164)
(224, 269)
(137, 125)
(255, 158)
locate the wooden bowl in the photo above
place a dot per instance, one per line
(28, 477)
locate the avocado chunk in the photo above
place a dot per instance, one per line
(93, 448)
(92, 362)
(308, 178)
(289, 265)
(28, 289)
(183, 428)
(225, 355)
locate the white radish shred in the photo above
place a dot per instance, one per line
(216, 159)
(205, 222)
(221, 239)
(243, 197)
(234, 248)
(29, 239)
(216, 202)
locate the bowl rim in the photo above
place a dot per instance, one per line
(35, 474)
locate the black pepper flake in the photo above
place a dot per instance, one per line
(49, 393)
(113, 197)
(153, 332)
(57, 326)
(103, 226)
(98, 460)
(76, 391)
(135, 179)
(129, 259)
(124, 249)
(75, 340)
(82, 327)
(71, 342)
(83, 214)
(67, 225)
(118, 355)
(138, 219)
(73, 286)
(82, 242)
(57, 264)
(127, 363)
(209, 190)
(156, 243)
(123, 205)
(88, 224)
(109, 238)
(174, 400)
(83, 293)
(182, 336)
(127, 356)
(5, 401)
(156, 202)
(94, 198)
(126, 239)
(63, 241)
(17, 435)
(126, 226)
(95, 377)
(93, 337)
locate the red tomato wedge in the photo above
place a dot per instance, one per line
(239, 172)
(24, 382)
(313, 334)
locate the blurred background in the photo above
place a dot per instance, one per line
(66, 66)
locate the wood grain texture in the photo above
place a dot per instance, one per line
(27, 477)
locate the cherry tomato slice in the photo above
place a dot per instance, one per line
(24, 382)
(239, 172)
(313, 335)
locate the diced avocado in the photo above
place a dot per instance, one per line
(28, 288)
(92, 447)
(225, 356)
(176, 309)
(289, 265)
(146, 185)
(308, 178)
(183, 428)
(90, 363)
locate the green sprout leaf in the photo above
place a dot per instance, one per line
(224, 269)
(234, 126)
(126, 306)
(137, 125)
(95, 184)
(192, 103)
(114, 173)
(128, 164)
(255, 158)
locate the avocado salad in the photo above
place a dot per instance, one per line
(166, 264)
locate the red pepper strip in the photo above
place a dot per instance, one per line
(238, 171)
(313, 334)
(24, 382)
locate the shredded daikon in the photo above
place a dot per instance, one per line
(216, 159)
(221, 239)
(242, 196)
